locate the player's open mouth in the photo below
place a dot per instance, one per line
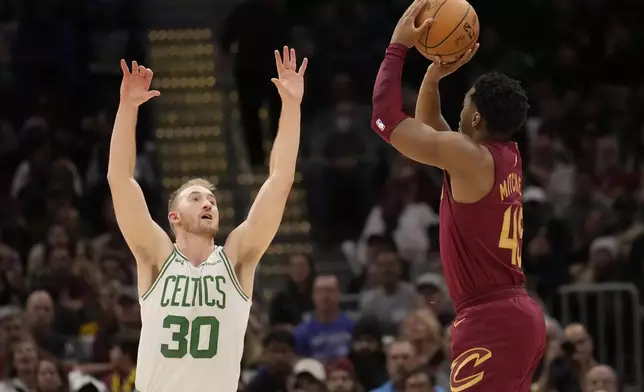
(206, 216)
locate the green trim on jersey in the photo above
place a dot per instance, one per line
(164, 267)
(176, 249)
(233, 275)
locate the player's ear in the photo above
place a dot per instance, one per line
(476, 119)
(173, 217)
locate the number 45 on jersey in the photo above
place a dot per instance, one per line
(512, 233)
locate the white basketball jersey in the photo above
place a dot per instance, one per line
(194, 321)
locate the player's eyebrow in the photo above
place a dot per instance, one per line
(198, 193)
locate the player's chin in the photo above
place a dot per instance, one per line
(210, 226)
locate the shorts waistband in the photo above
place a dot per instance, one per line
(495, 295)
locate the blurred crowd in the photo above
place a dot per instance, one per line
(69, 315)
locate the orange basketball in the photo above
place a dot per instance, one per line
(454, 30)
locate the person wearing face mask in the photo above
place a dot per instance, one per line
(367, 354)
(344, 157)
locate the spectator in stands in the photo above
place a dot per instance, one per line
(367, 353)
(433, 295)
(51, 377)
(296, 299)
(401, 359)
(279, 355)
(40, 318)
(342, 159)
(56, 237)
(603, 263)
(308, 375)
(252, 355)
(601, 378)
(422, 329)
(548, 244)
(365, 275)
(110, 241)
(126, 319)
(326, 333)
(13, 288)
(21, 368)
(341, 377)
(401, 216)
(123, 355)
(577, 335)
(12, 325)
(393, 298)
(418, 380)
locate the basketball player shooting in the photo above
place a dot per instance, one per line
(195, 295)
(498, 336)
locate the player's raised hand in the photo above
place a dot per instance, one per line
(440, 68)
(290, 80)
(406, 31)
(135, 87)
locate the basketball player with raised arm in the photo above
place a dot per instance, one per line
(195, 295)
(499, 334)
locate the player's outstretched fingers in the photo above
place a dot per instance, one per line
(278, 61)
(135, 68)
(286, 58)
(148, 74)
(305, 63)
(124, 68)
(293, 58)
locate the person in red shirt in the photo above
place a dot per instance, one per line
(498, 337)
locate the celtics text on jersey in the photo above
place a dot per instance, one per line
(194, 321)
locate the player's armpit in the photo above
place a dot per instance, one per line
(248, 242)
(147, 241)
(450, 151)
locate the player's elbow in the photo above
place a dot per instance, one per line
(117, 177)
(385, 118)
(282, 181)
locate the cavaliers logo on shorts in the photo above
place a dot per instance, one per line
(467, 370)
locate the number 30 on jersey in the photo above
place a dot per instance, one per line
(512, 233)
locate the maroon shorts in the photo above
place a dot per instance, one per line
(497, 343)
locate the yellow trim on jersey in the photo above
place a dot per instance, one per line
(164, 267)
(233, 275)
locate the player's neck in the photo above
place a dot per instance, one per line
(197, 249)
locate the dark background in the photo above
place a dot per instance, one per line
(583, 149)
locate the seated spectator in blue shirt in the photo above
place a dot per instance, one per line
(419, 380)
(401, 359)
(326, 333)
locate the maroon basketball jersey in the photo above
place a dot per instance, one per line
(480, 243)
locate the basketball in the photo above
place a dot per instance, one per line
(455, 29)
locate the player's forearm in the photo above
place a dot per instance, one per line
(286, 146)
(122, 158)
(428, 105)
(387, 93)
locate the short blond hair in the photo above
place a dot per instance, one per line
(195, 181)
(427, 317)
